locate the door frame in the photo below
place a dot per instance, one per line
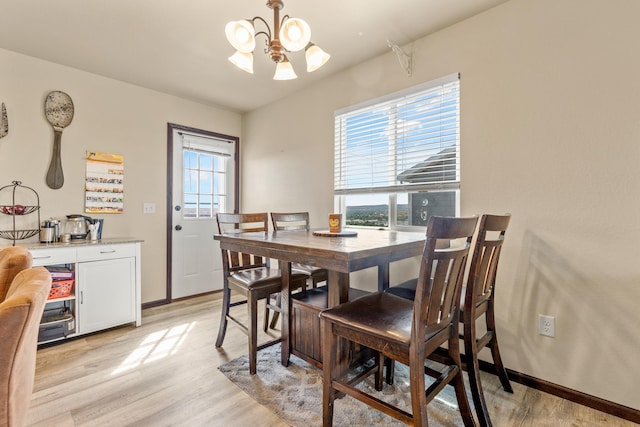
(171, 127)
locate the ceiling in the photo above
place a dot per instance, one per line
(179, 47)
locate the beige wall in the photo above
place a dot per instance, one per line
(551, 133)
(112, 117)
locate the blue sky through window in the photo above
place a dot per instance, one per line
(203, 184)
(382, 143)
(410, 140)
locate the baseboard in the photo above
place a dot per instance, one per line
(165, 301)
(155, 303)
(597, 403)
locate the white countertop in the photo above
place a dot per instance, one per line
(73, 243)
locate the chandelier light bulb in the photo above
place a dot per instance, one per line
(295, 34)
(242, 35)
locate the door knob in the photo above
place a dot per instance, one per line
(178, 227)
(177, 208)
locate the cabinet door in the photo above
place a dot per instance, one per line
(107, 294)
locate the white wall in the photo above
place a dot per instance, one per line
(550, 132)
(110, 116)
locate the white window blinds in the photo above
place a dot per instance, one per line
(407, 141)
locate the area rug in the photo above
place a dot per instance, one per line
(294, 393)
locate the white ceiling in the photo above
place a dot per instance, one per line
(179, 47)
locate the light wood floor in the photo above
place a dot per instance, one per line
(164, 373)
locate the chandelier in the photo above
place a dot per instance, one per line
(289, 35)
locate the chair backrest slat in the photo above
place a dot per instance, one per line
(290, 221)
(241, 223)
(486, 255)
(437, 300)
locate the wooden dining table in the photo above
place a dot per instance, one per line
(339, 255)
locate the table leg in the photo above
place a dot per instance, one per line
(338, 284)
(285, 334)
(383, 276)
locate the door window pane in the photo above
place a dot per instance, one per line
(219, 182)
(205, 208)
(206, 162)
(204, 183)
(190, 206)
(190, 181)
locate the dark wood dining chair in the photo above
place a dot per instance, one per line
(477, 299)
(288, 222)
(250, 276)
(405, 331)
(299, 221)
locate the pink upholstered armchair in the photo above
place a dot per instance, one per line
(13, 259)
(20, 314)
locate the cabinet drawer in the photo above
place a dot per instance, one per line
(95, 253)
(51, 256)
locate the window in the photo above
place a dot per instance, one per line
(205, 175)
(397, 158)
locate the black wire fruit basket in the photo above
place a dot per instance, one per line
(17, 201)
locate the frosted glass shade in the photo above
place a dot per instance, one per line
(241, 35)
(284, 71)
(315, 57)
(242, 60)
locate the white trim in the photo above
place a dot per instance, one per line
(404, 92)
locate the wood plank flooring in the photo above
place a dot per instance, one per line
(164, 373)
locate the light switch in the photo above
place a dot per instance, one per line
(149, 208)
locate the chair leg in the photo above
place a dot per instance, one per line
(390, 367)
(226, 300)
(274, 320)
(473, 369)
(418, 396)
(379, 361)
(458, 384)
(276, 314)
(495, 352)
(265, 325)
(329, 372)
(252, 306)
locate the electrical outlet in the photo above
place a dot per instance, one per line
(149, 208)
(546, 325)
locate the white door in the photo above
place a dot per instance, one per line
(203, 184)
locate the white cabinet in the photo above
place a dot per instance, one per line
(106, 290)
(107, 294)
